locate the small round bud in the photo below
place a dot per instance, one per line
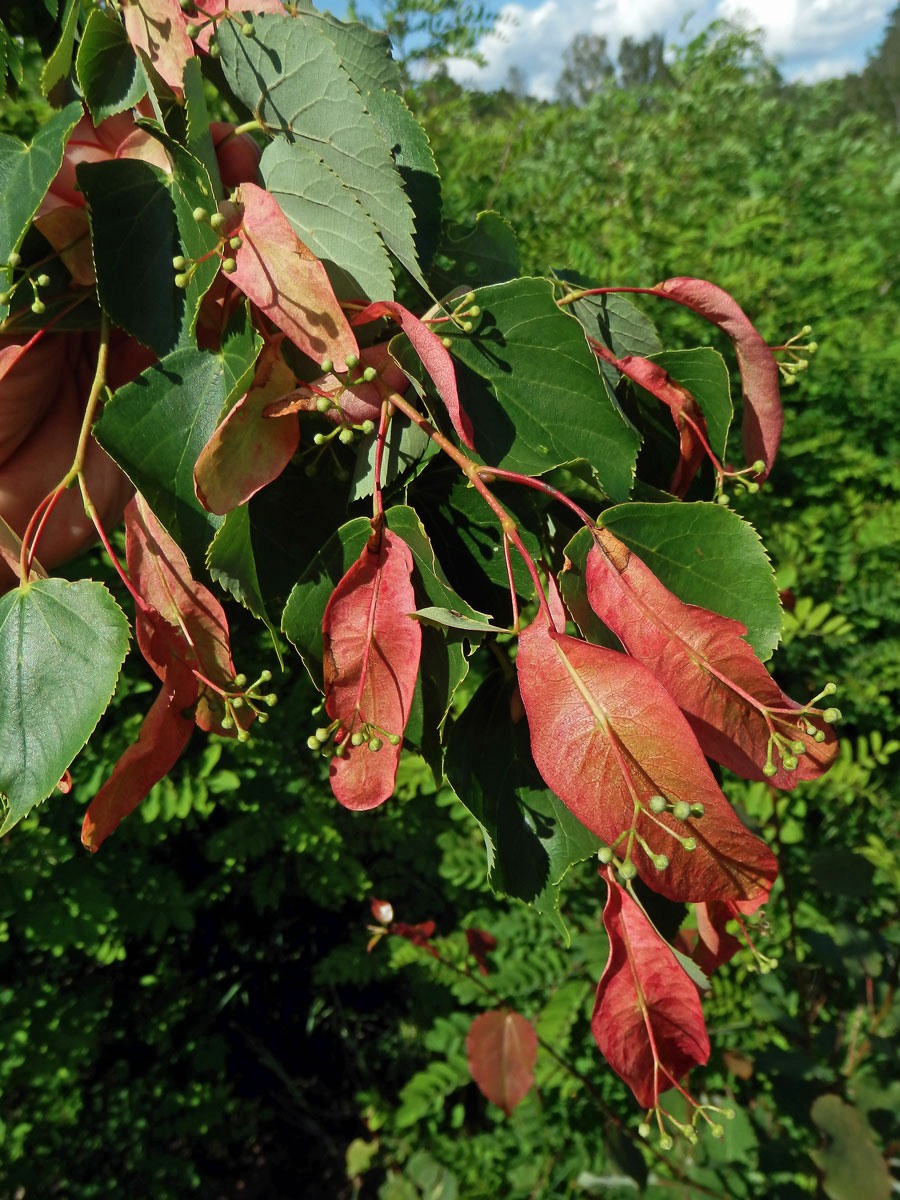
(798, 747)
(351, 361)
(323, 404)
(200, 214)
(829, 689)
(806, 331)
(394, 739)
(724, 499)
(819, 735)
(605, 855)
(312, 742)
(698, 809)
(227, 722)
(681, 811)
(5, 297)
(228, 265)
(367, 427)
(643, 1130)
(238, 702)
(812, 347)
(319, 439)
(752, 488)
(214, 49)
(770, 769)
(446, 342)
(14, 260)
(247, 29)
(179, 262)
(718, 1131)
(790, 762)
(243, 735)
(468, 298)
(265, 676)
(467, 326)
(657, 804)
(689, 844)
(369, 374)
(345, 437)
(758, 467)
(831, 715)
(660, 861)
(39, 307)
(192, 30)
(240, 681)
(628, 870)
(181, 281)
(323, 734)
(217, 220)
(665, 1142)
(235, 243)
(43, 280)
(262, 718)
(474, 311)
(729, 1114)
(375, 744)
(357, 739)
(326, 366)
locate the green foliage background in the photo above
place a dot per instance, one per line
(194, 1012)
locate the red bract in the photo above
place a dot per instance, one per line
(763, 416)
(710, 944)
(237, 154)
(156, 28)
(435, 359)
(607, 737)
(501, 1048)
(739, 715)
(284, 279)
(249, 449)
(647, 1018)
(370, 665)
(686, 413)
(347, 405)
(480, 946)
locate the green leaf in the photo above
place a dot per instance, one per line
(615, 321)
(709, 556)
(329, 219)
(406, 447)
(447, 618)
(704, 373)
(199, 138)
(232, 564)
(365, 53)
(472, 256)
(303, 613)
(291, 77)
(56, 68)
(851, 1164)
(25, 174)
(190, 188)
(411, 150)
(135, 237)
(108, 70)
(155, 428)
(61, 647)
(546, 404)
(531, 837)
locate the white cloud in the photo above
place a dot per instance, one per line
(812, 39)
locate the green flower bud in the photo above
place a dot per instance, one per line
(229, 265)
(643, 1130)
(689, 844)
(214, 49)
(247, 29)
(271, 699)
(467, 326)
(185, 5)
(681, 811)
(238, 702)
(243, 735)
(326, 366)
(812, 347)
(323, 404)
(468, 298)
(446, 342)
(14, 259)
(217, 220)
(752, 488)
(789, 762)
(729, 1114)
(819, 735)
(367, 427)
(718, 1131)
(369, 374)
(181, 281)
(265, 676)
(235, 243)
(312, 742)
(39, 307)
(394, 739)
(179, 262)
(43, 281)
(200, 214)
(798, 747)
(698, 809)
(345, 437)
(605, 855)
(831, 715)
(829, 689)
(357, 739)
(262, 718)
(770, 769)
(192, 30)
(351, 361)
(628, 870)
(227, 722)
(474, 311)
(319, 439)
(723, 498)
(375, 743)
(665, 1142)
(323, 734)
(5, 297)
(660, 861)
(657, 804)
(806, 331)
(758, 467)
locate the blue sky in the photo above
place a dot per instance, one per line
(811, 39)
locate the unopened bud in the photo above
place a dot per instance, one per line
(758, 467)
(345, 437)
(214, 49)
(819, 735)
(830, 688)
(790, 762)
(326, 366)
(718, 1131)
(367, 427)
(247, 29)
(770, 769)
(375, 744)
(657, 804)
(179, 262)
(698, 809)
(665, 1142)
(181, 281)
(628, 870)
(229, 265)
(474, 311)
(394, 739)
(723, 498)
(446, 342)
(5, 297)
(270, 700)
(605, 855)
(235, 243)
(323, 734)
(192, 30)
(200, 214)
(643, 1130)
(217, 220)
(689, 844)
(681, 811)
(312, 742)
(43, 280)
(831, 715)
(357, 738)
(323, 404)
(39, 307)
(369, 374)
(351, 361)
(14, 259)
(660, 861)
